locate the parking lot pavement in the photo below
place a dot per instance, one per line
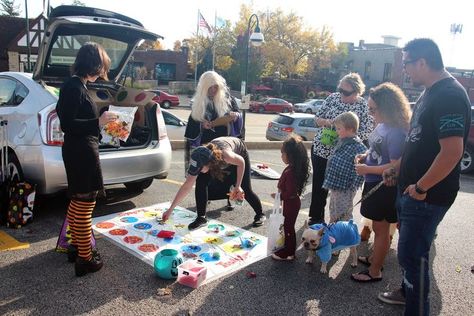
(38, 281)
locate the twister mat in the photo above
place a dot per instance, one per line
(223, 248)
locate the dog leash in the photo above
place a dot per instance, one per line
(372, 191)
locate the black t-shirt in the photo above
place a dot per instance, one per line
(442, 111)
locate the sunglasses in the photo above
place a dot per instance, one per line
(345, 92)
(407, 62)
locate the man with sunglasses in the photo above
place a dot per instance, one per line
(346, 99)
(429, 169)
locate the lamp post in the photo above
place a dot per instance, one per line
(256, 38)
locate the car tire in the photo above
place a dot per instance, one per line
(261, 109)
(309, 111)
(14, 169)
(467, 161)
(139, 186)
(166, 104)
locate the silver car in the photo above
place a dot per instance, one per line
(286, 123)
(28, 104)
(309, 106)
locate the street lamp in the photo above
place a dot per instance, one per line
(257, 39)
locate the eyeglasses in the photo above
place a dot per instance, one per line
(345, 92)
(407, 62)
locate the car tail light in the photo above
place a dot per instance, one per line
(50, 128)
(269, 124)
(161, 123)
(287, 129)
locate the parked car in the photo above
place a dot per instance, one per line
(165, 100)
(284, 124)
(309, 106)
(467, 161)
(28, 104)
(175, 126)
(273, 105)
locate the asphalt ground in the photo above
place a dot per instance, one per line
(39, 281)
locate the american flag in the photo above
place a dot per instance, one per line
(203, 24)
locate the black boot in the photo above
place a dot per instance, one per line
(198, 222)
(82, 266)
(230, 207)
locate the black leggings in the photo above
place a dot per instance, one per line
(318, 194)
(202, 193)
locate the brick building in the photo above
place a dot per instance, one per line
(163, 65)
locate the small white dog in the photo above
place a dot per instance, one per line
(325, 239)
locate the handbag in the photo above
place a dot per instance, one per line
(275, 233)
(328, 136)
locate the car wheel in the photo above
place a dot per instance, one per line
(261, 109)
(138, 186)
(467, 163)
(309, 111)
(14, 169)
(166, 104)
(285, 110)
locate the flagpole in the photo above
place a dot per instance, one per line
(196, 51)
(214, 42)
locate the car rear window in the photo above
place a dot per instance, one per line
(65, 49)
(283, 119)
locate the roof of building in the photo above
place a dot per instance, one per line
(10, 27)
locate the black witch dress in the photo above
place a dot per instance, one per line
(79, 120)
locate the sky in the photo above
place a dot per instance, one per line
(349, 21)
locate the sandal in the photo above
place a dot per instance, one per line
(366, 273)
(365, 260)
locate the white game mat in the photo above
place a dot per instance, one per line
(223, 248)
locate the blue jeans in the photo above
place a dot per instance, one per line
(418, 222)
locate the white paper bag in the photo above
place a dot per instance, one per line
(275, 233)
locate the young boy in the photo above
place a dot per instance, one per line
(341, 179)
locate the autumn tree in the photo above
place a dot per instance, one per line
(148, 44)
(9, 8)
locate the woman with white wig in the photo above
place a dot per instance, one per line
(214, 113)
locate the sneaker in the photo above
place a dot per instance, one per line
(198, 222)
(394, 297)
(258, 220)
(82, 266)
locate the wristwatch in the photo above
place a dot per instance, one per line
(419, 190)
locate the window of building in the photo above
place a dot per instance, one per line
(387, 72)
(368, 65)
(165, 72)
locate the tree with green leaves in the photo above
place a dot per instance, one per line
(9, 8)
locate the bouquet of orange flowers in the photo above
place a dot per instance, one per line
(119, 129)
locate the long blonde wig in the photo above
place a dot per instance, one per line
(207, 80)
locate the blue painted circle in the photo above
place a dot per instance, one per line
(142, 226)
(191, 248)
(129, 219)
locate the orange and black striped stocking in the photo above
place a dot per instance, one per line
(71, 216)
(83, 227)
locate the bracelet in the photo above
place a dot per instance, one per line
(419, 190)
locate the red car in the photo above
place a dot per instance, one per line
(164, 99)
(273, 105)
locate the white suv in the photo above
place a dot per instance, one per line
(28, 104)
(309, 106)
